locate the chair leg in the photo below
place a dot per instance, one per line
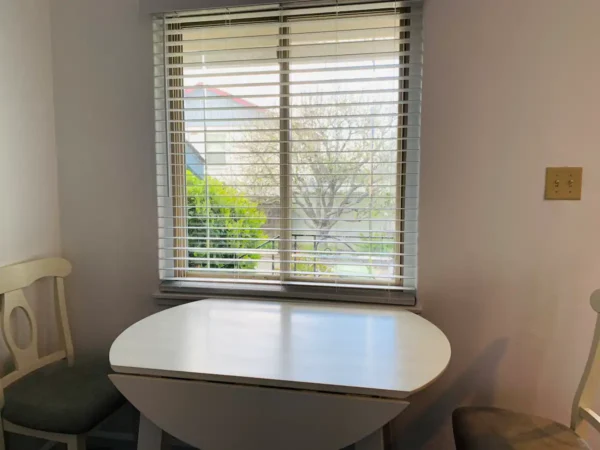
(150, 437)
(76, 443)
(372, 442)
(2, 435)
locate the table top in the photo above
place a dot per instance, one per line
(365, 350)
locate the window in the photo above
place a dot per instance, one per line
(288, 144)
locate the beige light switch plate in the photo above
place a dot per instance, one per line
(563, 183)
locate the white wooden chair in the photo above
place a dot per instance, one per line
(486, 428)
(49, 397)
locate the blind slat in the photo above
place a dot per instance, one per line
(262, 217)
(292, 107)
(308, 261)
(320, 34)
(291, 272)
(209, 87)
(295, 229)
(346, 152)
(270, 251)
(277, 72)
(302, 94)
(272, 61)
(192, 141)
(299, 163)
(258, 18)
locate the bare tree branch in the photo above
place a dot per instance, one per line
(339, 157)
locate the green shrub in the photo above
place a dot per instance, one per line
(229, 215)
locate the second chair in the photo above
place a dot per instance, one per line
(486, 428)
(49, 397)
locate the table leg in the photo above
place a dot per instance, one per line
(373, 441)
(150, 437)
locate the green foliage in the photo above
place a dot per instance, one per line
(307, 263)
(229, 215)
(375, 242)
(304, 265)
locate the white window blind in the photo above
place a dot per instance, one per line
(287, 142)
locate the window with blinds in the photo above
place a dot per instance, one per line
(288, 143)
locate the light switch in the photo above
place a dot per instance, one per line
(563, 183)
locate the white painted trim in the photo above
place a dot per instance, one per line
(374, 441)
(586, 392)
(150, 436)
(591, 417)
(18, 276)
(18, 429)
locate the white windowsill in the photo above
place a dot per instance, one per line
(173, 293)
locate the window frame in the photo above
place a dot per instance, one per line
(283, 284)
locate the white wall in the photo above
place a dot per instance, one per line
(510, 87)
(28, 191)
(103, 85)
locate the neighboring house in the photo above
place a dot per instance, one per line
(194, 161)
(212, 104)
(210, 114)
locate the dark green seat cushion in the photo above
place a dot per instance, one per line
(500, 429)
(63, 399)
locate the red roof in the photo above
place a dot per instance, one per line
(221, 93)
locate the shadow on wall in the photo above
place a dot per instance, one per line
(433, 416)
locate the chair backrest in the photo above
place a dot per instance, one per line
(13, 279)
(582, 404)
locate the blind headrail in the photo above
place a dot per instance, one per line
(184, 8)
